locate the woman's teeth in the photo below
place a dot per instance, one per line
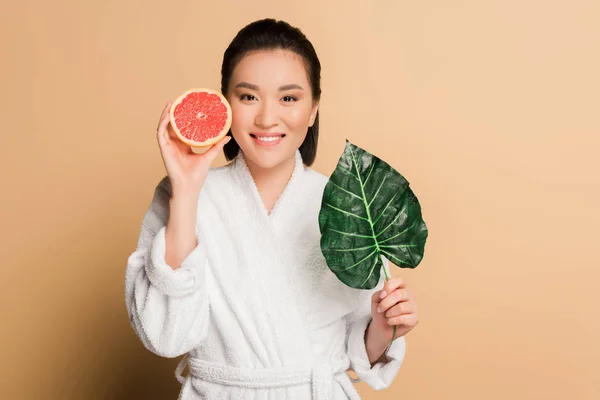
(268, 139)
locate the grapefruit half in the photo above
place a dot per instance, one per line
(200, 118)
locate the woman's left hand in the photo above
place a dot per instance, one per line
(394, 305)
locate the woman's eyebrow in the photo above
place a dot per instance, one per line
(281, 88)
(247, 86)
(290, 87)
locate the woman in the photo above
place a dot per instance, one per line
(228, 267)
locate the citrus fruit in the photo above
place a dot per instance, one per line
(200, 118)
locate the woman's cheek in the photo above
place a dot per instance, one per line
(240, 116)
(299, 118)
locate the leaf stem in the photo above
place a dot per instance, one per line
(387, 278)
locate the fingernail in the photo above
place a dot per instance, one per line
(379, 309)
(383, 294)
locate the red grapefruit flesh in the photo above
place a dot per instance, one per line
(200, 117)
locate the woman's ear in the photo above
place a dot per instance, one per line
(313, 114)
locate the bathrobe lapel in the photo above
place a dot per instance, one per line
(267, 233)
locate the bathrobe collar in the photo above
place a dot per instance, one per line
(290, 200)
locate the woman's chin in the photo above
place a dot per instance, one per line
(266, 159)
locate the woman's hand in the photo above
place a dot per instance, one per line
(187, 170)
(394, 305)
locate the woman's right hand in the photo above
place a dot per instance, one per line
(187, 170)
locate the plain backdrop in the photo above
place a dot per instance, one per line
(489, 108)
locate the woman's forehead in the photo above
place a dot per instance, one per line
(271, 68)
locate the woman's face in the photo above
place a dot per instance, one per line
(272, 106)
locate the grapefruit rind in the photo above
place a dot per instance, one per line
(200, 147)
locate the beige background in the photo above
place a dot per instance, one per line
(489, 108)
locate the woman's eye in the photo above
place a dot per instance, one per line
(247, 97)
(289, 99)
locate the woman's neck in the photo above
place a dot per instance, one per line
(270, 182)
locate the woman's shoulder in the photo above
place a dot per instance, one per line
(219, 176)
(221, 170)
(315, 178)
(216, 174)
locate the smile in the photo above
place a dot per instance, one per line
(270, 140)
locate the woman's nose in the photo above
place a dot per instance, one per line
(267, 116)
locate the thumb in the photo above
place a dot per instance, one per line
(216, 148)
(379, 295)
(376, 297)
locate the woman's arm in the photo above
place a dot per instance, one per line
(375, 345)
(181, 228)
(167, 301)
(366, 349)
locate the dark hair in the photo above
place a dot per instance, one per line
(270, 34)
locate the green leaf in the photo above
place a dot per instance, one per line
(369, 211)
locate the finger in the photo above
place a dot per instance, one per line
(405, 307)
(165, 111)
(409, 320)
(377, 297)
(393, 284)
(389, 286)
(174, 139)
(165, 114)
(216, 148)
(162, 132)
(397, 296)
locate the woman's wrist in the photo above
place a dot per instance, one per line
(375, 344)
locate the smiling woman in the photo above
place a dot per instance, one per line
(272, 113)
(265, 138)
(228, 267)
(293, 77)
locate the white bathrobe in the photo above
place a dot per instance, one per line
(254, 305)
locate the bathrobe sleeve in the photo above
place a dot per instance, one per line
(168, 309)
(381, 375)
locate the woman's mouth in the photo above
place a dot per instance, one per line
(267, 140)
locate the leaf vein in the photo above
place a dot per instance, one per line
(360, 262)
(391, 223)
(345, 212)
(398, 246)
(352, 234)
(371, 273)
(377, 192)
(385, 208)
(350, 172)
(356, 248)
(347, 191)
(401, 233)
(369, 175)
(393, 256)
